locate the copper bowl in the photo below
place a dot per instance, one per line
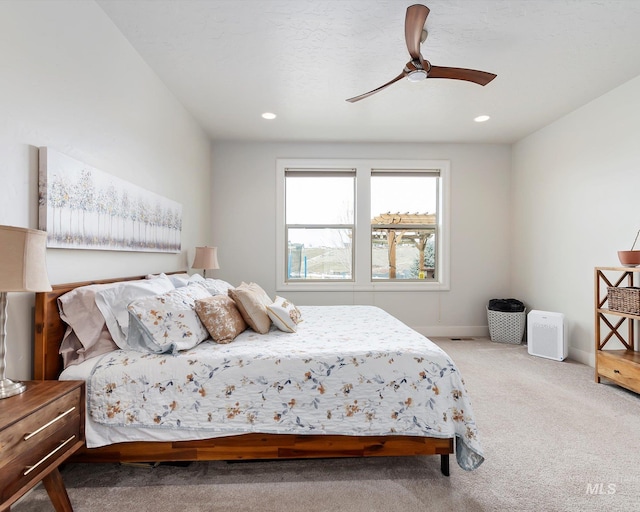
(629, 258)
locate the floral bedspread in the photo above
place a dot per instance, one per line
(348, 370)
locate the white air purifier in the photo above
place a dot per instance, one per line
(547, 335)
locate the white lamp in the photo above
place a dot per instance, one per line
(22, 269)
(206, 258)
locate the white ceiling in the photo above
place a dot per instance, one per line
(228, 61)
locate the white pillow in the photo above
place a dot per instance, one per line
(113, 303)
(167, 322)
(216, 286)
(180, 280)
(284, 314)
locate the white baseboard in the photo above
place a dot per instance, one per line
(582, 356)
(482, 331)
(444, 331)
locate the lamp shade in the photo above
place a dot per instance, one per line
(206, 258)
(23, 265)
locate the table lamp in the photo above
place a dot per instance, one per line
(22, 269)
(206, 258)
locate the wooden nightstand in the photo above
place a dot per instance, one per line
(39, 430)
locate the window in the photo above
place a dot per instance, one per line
(319, 224)
(362, 225)
(404, 224)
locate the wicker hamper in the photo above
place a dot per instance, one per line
(624, 300)
(506, 327)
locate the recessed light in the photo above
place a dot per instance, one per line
(269, 115)
(481, 119)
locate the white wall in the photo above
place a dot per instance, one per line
(69, 80)
(575, 189)
(244, 227)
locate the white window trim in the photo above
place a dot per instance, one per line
(362, 271)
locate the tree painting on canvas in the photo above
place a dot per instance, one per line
(84, 208)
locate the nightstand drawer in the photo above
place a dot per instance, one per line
(39, 430)
(31, 431)
(54, 443)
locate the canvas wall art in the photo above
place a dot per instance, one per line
(84, 208)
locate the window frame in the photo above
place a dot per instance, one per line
(392, 227)
(323, 173)
(362, 279)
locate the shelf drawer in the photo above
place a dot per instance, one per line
(620, 366)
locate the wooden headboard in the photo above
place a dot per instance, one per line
(50, 329)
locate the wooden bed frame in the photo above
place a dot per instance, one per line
(49, 330)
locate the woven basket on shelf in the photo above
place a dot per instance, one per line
(506, 327)
(624, 300)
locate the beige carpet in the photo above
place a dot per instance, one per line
(553, 440)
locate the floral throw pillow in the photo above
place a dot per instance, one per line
(167, 322)
(221, 317)
(284, 314)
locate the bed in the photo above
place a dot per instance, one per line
(375, 418)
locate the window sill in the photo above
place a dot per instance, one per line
(414, 286)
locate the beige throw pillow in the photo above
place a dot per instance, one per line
(88, 335)
(252, 301)
(221, 317)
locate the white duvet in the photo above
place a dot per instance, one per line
(349, 370)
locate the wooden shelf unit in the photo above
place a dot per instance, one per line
(621, 366)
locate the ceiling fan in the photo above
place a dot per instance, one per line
(418, 68)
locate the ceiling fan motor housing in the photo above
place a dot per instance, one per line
(417, 76)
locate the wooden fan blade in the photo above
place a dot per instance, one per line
(367, 94)
(413, 25)
(470, 75)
